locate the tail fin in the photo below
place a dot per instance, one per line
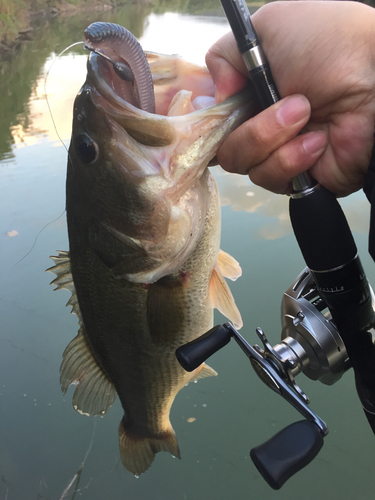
(138, 453)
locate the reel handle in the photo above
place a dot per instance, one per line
(287, 452)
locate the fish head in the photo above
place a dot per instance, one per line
(111, 159)
(137, 185)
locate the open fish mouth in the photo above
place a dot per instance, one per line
(123, 63)
(120, 101)
(152, 96)
(123, 72)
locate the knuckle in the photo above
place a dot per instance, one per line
(260, 138)
(288, 161)
(265, 134)
(226, 159)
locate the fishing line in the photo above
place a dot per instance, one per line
(58, 135)
(45, 90)
(37, 236)
(77, 475)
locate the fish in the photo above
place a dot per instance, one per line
(144, 265)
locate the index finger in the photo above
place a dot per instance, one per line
(227, 68)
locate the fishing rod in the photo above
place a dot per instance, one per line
(328, 313)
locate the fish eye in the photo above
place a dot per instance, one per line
(86, 148)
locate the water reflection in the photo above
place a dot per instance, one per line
(169, 34)
(241, 195)
(21, 75)
(59, 82)
(168, 31)
(44, 442)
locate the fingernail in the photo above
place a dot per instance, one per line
(293, 110)
(314, 142)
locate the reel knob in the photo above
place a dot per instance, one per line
(287, 452)
(193, 354)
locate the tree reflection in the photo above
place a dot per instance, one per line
(19, 73)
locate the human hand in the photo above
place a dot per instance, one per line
(322, 57)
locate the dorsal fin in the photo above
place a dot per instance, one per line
(64, 279)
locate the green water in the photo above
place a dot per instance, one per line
(43, 441)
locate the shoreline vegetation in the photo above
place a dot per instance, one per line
(18, 16)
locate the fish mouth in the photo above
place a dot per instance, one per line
(118, 100)
(125, 97)
(123, 54)
(140, 99)
(110, 94)
(157, 99)
(106, 83)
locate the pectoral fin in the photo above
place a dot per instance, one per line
(222, 298)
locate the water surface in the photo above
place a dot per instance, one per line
(43, 441)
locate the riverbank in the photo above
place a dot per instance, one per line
(17, 17)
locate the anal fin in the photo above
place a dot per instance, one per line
(94, 393)
(203, 371)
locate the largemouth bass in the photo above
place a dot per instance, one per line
(144, 266)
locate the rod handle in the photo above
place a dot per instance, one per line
(321, 230)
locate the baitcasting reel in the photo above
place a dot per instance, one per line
(328, 314)
(310, 344)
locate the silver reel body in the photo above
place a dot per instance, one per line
(309, 337)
